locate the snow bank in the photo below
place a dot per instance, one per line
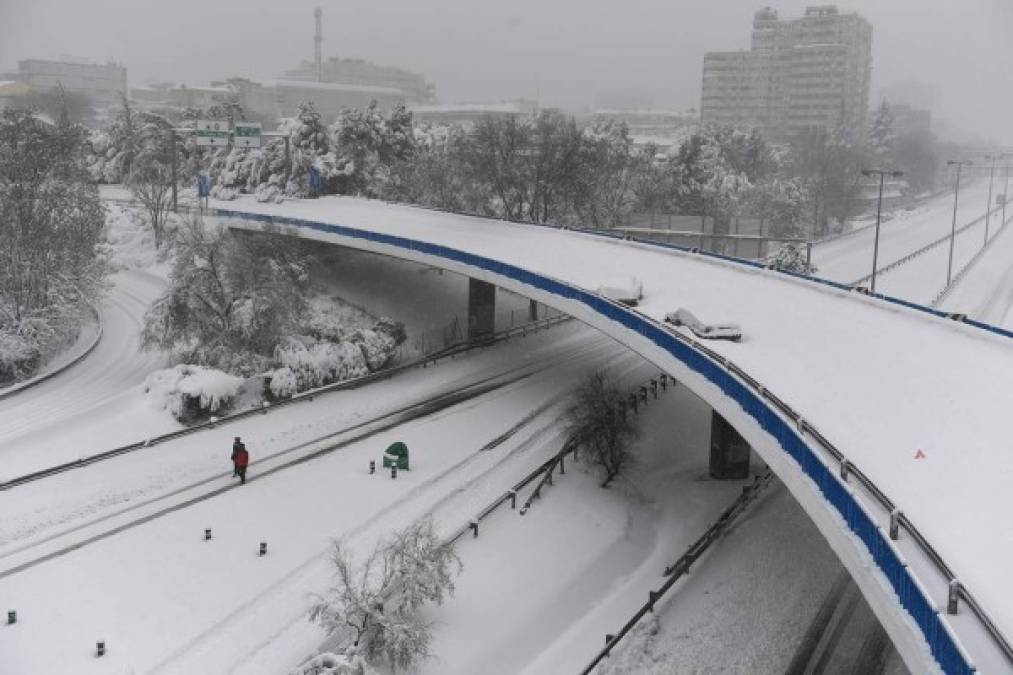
(190, 392)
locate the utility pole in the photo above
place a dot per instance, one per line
(175, 170)
(953, 228)
(882, 173)
(318, 40)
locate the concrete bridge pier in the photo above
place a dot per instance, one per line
(481, 309)
(729, 451)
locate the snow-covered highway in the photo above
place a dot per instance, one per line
(35, 421)
(165, 601)
(871, 376)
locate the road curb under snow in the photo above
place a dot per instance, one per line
(39, 379)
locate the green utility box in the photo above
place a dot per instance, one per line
(396, 455)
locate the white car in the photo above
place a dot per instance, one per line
(626, 293)
(717, 331)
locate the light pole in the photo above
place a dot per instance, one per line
(953, 229)
(988, 205)
(882, 173)
(1005, 197)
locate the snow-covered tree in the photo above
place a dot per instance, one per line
(791, 258)
(597, 421)
(829, 162)
(881, 135)
(232, 298)
(51, 233)
(369, 144)
(781, 204)
(378, 603)
(150, 183)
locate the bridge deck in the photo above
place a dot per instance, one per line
(880, 381)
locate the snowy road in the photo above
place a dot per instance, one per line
(849, 258)
(166, 601)
(34, 421)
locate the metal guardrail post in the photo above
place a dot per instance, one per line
(895, 524)
(953, 597)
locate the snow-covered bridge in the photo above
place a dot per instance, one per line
(863, 406)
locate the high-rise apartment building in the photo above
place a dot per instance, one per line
(809, 72)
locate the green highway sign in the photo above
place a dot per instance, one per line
(247, 134)
(212, 133)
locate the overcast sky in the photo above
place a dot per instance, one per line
(567, 52)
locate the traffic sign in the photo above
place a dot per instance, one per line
(212, 132)
(247, 134)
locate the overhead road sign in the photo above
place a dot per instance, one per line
(212, 133)
(247, 135)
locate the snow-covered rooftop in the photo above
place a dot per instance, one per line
(332, 86)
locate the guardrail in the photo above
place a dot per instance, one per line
(308, 395)
(680, 567)
(544, 470)
(924, 249)
(941, 295)
(772, 414)
(28, 384)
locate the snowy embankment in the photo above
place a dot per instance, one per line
(87, 339)
(738, 611)
(539, 592)
(86, 405)
(166, 601)
(985, 293)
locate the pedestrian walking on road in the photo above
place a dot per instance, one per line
(240, 459)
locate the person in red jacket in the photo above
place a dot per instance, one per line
(240, 459)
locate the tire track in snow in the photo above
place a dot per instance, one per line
(427, 408)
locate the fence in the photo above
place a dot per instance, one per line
(680, 567)
(545, 469)
(775, 417)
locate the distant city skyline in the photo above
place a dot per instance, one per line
(554, 50)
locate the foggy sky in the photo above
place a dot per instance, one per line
(565, 52)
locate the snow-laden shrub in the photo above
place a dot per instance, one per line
(317, 363)
(226, 194)
(268, 192)
(191, 393)
(283, 383)
(377, 347)
(18, 357)
(791, 258)
(335, 664)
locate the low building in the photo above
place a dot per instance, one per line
(12, 93)
(103, 84)
(281, 98)
(359, 72)
(466, 114)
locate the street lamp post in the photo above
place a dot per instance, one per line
(988, 205)
(882, 173)
(953, 228)
(1005, 197)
